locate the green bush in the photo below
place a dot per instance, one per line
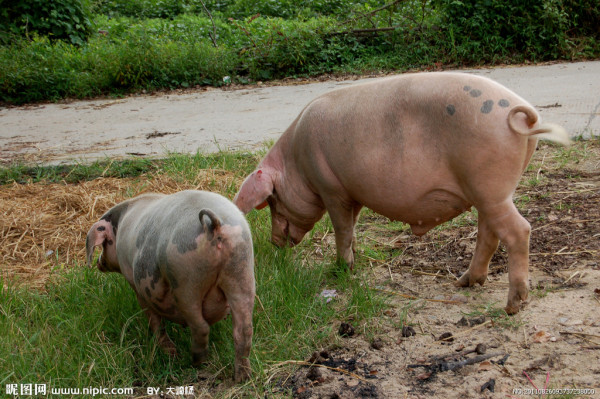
(485, 30)
(182, 45)
(144, 8)
(585, 15)
(68, 20)
(39, 70)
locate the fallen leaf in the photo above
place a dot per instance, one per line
(485, 365)
(301, 389)
(543, 336)
(424, 376)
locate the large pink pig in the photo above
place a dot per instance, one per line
(419, 148)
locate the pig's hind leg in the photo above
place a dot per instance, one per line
(240, 291)
(506, 223)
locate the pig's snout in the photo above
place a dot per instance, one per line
(280, 233)
(286, 234)
(101, 264)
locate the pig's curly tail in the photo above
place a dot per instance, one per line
(545, 131)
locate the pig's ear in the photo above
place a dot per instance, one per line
(255, 190)
(100, 233)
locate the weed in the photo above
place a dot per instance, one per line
(497, 314)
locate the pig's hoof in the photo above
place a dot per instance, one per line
(517, 293)
(242, 373)
(168, 347)
(467, 280)
(199, 358)
(171, 351)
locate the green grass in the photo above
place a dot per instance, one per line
(497, 314)
(182, 166)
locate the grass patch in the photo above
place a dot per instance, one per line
(497, 314)
(183, 166)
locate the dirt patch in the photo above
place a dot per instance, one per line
(556, 337)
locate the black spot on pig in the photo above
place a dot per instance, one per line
(146, 261)
(113, 216)
(148, 293)
(467, 88)
(475, 93)
(450, 109)
(487, 106)
(185, 237)
(172, 280)
(144, 264)
(503, 103)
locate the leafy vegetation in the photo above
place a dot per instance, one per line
(83, 48)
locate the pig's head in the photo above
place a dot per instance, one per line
(104, 234)
(291, 215)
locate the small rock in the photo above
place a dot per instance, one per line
(424, 376)
(446, 337)
(502, 362)
(481, 349)
(314, 374)
(474, 321)
(490, 385)
(315, 358)
(459, 298)
(377, 344)
(570, 322)
(346, 330)
(353, 382)
(408, 331)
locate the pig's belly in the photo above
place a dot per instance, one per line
(425, 212)
(161, 300)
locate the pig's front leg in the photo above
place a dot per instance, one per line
(356, 213)
(343, 217)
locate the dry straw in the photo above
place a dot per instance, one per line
(44, 225)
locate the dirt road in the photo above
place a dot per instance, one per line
(213, 119)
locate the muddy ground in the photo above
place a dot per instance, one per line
(554, 340)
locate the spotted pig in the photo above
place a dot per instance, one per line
(189, 258)
(418, 148)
